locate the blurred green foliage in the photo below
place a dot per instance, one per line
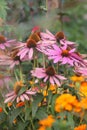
(20, 16)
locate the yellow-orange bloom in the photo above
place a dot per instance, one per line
(47, 122)
(76, 78)
(81, 127)
(52, 88)
(42, 128)
(83, 88)
(67, 102)
(84, 103)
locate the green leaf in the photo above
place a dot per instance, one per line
(49, 97)
(22, 90)
(53, 104)
(2, 117)
(41, 114)
(13, 115)
(70, 120)
(27, 113)
(37, 99)
(21, 126)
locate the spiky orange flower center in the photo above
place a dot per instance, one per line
(65, 53)
(31, 43)
(59, 36)
(2, 39)
(50, 71)
(17, 86)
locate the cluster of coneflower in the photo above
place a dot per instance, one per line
(53, 56)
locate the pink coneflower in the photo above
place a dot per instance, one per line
(30, 46)
(64, 55)
(59, 37)
(48, 36)
(48, 73)
(12, 60)
(13, 95)
(5, 43)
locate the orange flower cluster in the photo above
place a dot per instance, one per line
(81, 127)
(46, 123)
(83, 88)
(76, 78)
(67, 102)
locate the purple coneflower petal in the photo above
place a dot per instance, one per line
(26, 97)
(56, 81)
(10, 94)
(30, 54)
(51, 80)
(10, 99)
(22, 98)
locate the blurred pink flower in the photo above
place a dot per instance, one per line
(81, 70)
(64, 55)
(4, 42)
(48, 73)
(4, 81)
(10, 97)
(11, 60)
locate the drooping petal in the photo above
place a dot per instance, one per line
(30, 55)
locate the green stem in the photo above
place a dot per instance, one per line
(44, 61)
(33, 128)
(5, 111)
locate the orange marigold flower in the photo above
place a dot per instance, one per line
(81, 127)
(42, 128)
(76, 78)
(83, 88)
(1, 109)
(20, 104)
(84, 103)
(47, 122)
(66, 102)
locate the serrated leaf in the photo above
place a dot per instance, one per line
(37, 99)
